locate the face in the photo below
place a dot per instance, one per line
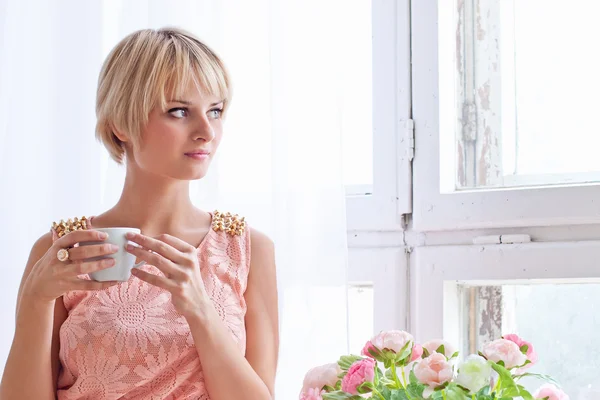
(180, 142)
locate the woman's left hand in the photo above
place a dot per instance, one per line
(178, 261)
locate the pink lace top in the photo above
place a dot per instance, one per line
(128, 342)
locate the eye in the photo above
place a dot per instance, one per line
(179, 112)
(215, 113)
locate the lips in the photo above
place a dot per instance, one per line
(198, 153)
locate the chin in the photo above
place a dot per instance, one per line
(193, 175)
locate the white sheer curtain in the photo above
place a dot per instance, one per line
(279, 165)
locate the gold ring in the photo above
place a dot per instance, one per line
(62, 255)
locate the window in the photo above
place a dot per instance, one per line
(545, 292)
(503, 104)
(520, 115)
(380, 205)
(556, 318)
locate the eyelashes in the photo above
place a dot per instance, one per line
(183, 112)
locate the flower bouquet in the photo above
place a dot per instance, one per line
(394, 367)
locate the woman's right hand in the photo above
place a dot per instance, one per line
(50, 278)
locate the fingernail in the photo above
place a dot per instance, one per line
(130, 247)
(129, 235)
(114, 248)
(102, 235)
(109, 262)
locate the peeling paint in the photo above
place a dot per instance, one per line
(489, 302)
(484, 95)
(480, 31)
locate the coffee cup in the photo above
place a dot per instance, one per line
(124, 261)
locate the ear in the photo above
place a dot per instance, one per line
(119, 134)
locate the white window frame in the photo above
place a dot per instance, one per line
(392, 125)
(386, 269)
(433, 211)
(437, 272)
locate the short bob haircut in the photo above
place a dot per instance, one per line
(143, 71)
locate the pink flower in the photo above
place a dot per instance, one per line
(530, 353)
(551, 392)
(318, 377)
(505, 351)
(434, 370)
(392, 340)
(312, 394)
(368, 346)
(360, 372)
(433, 345)
(417, 352)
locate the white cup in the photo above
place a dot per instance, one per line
(124, 261)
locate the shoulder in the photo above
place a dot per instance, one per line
(262, 250)
(41, 246)
(260, 242)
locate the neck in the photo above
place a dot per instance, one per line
(154, 203)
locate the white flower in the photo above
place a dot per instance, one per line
(474, 373)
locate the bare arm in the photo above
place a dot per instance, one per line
(32, 367)
(222, 362)
(227, 373)
(34, 353)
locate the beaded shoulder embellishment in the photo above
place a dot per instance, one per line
(231, 224)
(62, 228)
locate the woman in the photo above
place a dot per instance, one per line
(199, 321)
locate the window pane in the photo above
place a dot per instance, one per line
(520, 96)
(558, 319)
(360, 316)
(356, 113)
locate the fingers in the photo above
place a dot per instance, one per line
(97, 250)
(72, 238)
(82, 268)
(155, 280)
(160, 262)
(175, 242)
(83, 284)
(160, 247)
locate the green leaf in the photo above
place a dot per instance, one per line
(366, 387)
(437, 395)
(415, 389)
(542, 377)
(339, 395)
(405, 352)
(525, 394)
(441, 349)
(506, 380)
(385, 392)
(412, 378)
(425, 353)
(485, 391)
(524, 349)
(453, 392)
(345, 362)
(399, 395)
(456, 353)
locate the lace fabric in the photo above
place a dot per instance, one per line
(129, 342)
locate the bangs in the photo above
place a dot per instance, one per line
(184, 62)
(144, 71)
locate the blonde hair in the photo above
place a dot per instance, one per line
(143, 71)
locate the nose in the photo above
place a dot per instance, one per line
(203, 130)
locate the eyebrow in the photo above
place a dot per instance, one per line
(189, 103)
